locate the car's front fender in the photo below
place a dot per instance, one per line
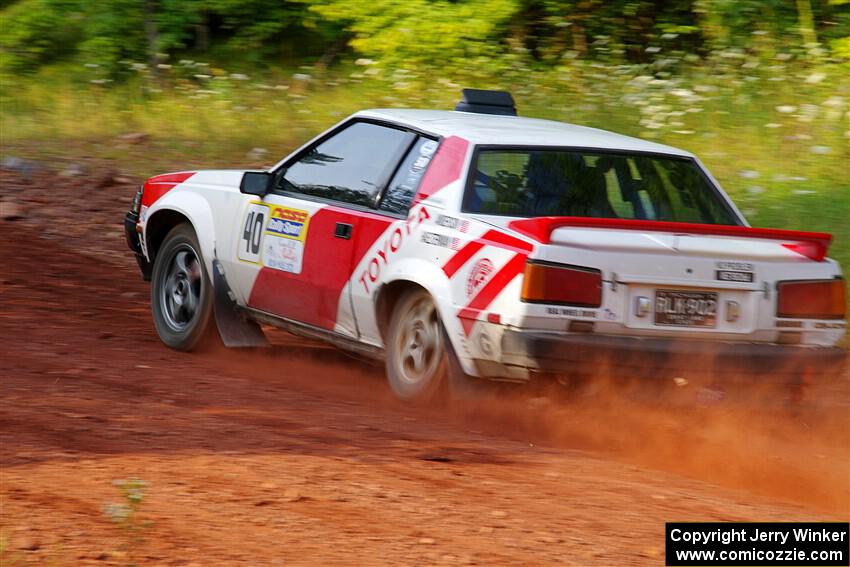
(196, 210)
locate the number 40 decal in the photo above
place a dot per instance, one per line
(252, 232)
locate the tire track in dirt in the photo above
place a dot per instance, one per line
(301, 455)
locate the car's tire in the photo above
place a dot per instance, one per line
(416, 348)
(181, 292)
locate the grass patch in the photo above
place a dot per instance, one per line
(774, 132)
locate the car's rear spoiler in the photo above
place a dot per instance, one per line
(813, 245)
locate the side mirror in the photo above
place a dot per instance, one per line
(256, 183)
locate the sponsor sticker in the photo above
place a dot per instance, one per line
(453, 222)
(288, 223)
(479, 276)
(440, 240)
(428, 148)
(737, 266)
(830, 325)
(735, 272)
(285, 234)
(570, 312)
(420, 164)
(730, 276)
(283, 254)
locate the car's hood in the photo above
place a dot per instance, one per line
(209, 177)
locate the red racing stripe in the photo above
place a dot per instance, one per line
(445, 167)
(159, 185)
(488, 293)
(502, 240)
(463, 255)
(490, 238)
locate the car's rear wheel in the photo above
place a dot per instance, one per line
(416, 348)
(181, 293)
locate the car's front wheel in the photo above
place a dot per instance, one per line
(416, 348)
(181, 293)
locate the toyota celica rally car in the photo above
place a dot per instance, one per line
(476, 244)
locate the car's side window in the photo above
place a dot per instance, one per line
(405, 182)
(350, 166)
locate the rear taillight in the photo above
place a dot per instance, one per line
(565, 285)
(821, 299)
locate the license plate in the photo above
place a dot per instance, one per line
(685, 308)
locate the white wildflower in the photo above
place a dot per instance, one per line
(815, 78)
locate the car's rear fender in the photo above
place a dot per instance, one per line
(414, 271)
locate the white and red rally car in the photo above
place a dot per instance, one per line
(478, 244)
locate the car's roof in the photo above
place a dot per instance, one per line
(514, 130)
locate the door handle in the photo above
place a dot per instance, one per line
(343, 230)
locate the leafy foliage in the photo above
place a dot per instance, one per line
(414, 33)
(106, 32)
(757, 88)
(409, 34)
(37, 31)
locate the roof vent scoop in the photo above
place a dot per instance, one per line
(487, 102)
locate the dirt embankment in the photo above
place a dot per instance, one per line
(298, 455)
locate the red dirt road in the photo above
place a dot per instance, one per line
(299, 456)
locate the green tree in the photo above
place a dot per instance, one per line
(414, 33)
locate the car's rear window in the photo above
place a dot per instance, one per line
(581, 183)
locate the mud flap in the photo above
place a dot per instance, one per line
(461, 386)
(235, 330)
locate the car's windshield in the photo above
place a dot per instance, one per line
(582, 183)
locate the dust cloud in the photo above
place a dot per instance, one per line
(758, 438)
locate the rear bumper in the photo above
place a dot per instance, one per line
(588, 354)
(131, 219)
